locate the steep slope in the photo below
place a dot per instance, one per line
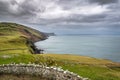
(18, 38)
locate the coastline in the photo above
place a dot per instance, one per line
(34, 47)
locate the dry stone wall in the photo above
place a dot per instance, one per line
(49, 73)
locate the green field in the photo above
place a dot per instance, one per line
(13, 49)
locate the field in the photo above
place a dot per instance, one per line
(13, 49)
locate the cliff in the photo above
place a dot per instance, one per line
(20, 36)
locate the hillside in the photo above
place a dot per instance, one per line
(20, 37)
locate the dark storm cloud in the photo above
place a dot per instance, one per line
(15, 10)
(28, 8)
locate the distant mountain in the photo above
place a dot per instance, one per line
(50, 34)
(86, 34)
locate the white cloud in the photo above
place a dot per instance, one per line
(53, 11)
(89, 10)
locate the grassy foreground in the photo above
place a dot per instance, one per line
(95, 69)
(13, 49)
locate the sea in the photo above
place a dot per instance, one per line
(97, 46)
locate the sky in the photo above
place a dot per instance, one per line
(64, 16)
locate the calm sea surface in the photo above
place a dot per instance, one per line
(105, 47)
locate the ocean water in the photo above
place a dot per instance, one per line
(98, 46)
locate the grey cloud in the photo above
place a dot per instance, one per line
(23, 10)
(103, 1)
(4, 8)
(27, 8)
(68, 4)
(74, 19)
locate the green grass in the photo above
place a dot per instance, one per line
(95, 69)
(13, 49)
(13, 44)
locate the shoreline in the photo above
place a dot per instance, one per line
(34, 47)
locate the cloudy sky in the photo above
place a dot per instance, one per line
(64, 16)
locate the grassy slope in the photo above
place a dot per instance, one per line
(13, 49)
(95, 69)
(14, 37)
